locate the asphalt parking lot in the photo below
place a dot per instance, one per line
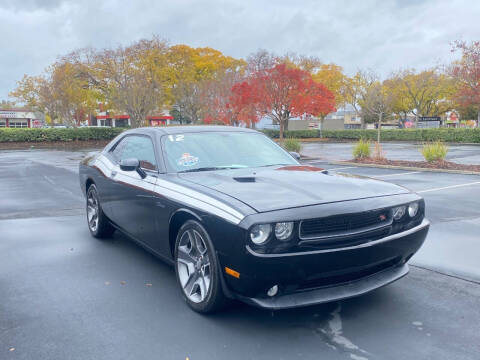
(66, 295)
(328, 151)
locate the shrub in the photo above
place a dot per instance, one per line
(298, 134)
(292, 145)
(435, 151)
(361, 149)
(421, 135)
(52, 134)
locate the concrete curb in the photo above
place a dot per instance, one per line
(354, 141)
(464, 172)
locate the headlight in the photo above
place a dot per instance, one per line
(413, 209)
(283, 230)
(399, 211)
(260, 233)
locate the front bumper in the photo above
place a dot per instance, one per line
(332, 293)
(320, 276)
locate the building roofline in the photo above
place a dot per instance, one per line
(18, 109)
(194, 129)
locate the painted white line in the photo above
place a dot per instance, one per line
(450, 187)
(342, 168)
(398, 174)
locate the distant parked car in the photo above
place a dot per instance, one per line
(241, 218)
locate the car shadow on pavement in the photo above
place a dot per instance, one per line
(322, 322)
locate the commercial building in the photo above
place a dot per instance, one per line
(20, 118)
(106, 120)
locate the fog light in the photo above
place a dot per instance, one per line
(273, 290)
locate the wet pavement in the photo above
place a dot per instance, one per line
(463, 154)
(66, 295)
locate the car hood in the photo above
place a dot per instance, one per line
(275, 188)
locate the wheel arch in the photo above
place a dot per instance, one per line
(88, 182)
(177, 219)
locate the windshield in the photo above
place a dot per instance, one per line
(222, 150)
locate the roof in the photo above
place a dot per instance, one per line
(192, 129)
(17, 110)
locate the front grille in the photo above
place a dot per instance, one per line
(342, 278)
(345, 224)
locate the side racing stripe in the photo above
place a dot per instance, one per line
(172, 191)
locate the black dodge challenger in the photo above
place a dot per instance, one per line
(241, 218)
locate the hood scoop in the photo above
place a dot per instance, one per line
(245, 179)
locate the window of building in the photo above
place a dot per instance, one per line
(3, 123)
(18, 123)
(121, 122)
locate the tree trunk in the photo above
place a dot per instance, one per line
(478, 118)
(362, 122)
(416, 120)
(137, 120)
(280, 135)
(379, 127)
(321, 125)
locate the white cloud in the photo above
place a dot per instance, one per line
(380, 35)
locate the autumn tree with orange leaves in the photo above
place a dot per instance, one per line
(281, 93)
(466, 72)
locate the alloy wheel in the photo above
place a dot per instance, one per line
(92, 210)
(193, 266)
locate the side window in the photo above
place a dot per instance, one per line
(117, 150)
(138, 147)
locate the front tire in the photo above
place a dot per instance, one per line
(98, 223)
(197, 268)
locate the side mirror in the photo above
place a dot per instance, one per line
(295, 155)
(132, 164)
(129, 164)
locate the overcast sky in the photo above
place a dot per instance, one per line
(378, 35)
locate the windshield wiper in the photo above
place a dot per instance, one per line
(210, 168)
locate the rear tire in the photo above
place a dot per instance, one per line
(98, 223)
(197, 269)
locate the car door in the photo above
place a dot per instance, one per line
(134, 206)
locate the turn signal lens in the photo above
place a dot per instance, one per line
(259, 233)
(232, 272)
(283, 230)
(413, 209)
(399, 211)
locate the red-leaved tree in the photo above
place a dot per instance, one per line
(467, 72)
(220, 103)
(281, 93)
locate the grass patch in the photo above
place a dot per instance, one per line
(436, 151)
(292, 145)
(362, 149)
